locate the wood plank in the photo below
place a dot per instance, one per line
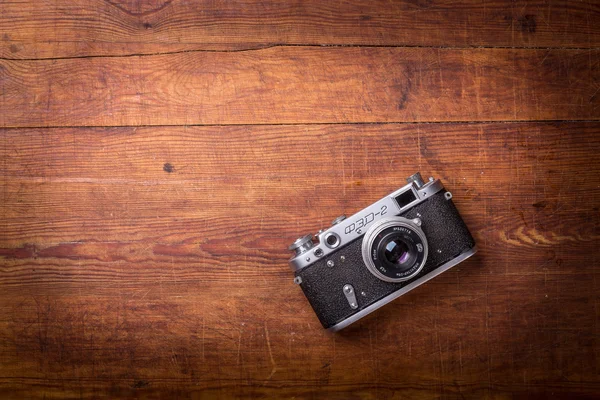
(303, 85)
(66, 28)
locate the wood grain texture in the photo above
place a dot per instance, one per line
(157, 157)
(303, 85)
(64, 28)
(150, 262)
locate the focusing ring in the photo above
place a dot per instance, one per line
(381, 233)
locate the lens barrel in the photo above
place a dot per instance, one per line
(394, 249)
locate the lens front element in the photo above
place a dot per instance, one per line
(394, 249)
(397, 252)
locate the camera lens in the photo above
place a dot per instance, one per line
(395, 249)
(396, 252)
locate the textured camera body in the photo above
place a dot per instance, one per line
(340, 287)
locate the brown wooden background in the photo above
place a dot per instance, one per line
(157, 157)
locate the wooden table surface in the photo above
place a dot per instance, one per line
(158, 157)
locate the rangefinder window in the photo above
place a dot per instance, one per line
(404, 199)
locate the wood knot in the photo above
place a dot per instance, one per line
(168, 167)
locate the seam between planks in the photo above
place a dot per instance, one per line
(525, 121)
(272, 46)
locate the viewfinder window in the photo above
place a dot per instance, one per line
(404, 199)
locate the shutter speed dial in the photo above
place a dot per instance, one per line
(302, 244)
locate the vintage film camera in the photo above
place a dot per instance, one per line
(363, 262)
